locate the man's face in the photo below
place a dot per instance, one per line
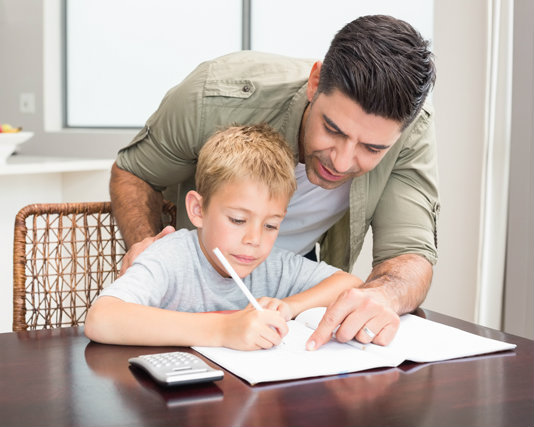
(243, 221)
(339, 141)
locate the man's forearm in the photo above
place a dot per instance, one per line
(324, 293)
(136, 206)
(405, 281)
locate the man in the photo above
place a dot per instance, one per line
(364, 146)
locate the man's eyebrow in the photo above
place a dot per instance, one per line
(377, 146)
(330, 123)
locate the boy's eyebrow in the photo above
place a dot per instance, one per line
(251, 211)
(330, 123)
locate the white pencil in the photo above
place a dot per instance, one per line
(237, 279)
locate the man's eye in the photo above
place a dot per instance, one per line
(330, 130)
(236, 220)
(372, 150)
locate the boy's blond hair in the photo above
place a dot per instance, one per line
(256, 153)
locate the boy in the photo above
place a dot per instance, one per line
(244, 181)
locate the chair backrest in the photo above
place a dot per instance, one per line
(64, 254)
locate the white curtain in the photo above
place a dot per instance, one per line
(491, 263)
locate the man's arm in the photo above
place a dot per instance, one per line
(322, 294)
(405, 281)
(136, 206)
(394, 287)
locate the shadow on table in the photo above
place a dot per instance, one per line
(111, 361)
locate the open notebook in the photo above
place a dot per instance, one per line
(418, 340)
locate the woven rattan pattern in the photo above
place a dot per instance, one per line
(64, 255)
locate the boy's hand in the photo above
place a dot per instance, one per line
(277, 305)
(251, 329)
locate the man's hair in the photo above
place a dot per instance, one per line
(383, 64)
(256, 153)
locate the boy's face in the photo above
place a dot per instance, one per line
(243, 221)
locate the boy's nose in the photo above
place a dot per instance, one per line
(252, 236)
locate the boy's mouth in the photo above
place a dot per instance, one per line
(244, 259)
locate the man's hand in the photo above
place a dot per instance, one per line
(360, 313)
(370, 313)
(139, 247)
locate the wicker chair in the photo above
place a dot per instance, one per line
(64, 254)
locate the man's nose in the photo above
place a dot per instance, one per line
(343, 157)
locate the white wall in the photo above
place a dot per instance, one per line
(460, 50)
(459, 45)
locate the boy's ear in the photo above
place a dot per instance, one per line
(193, 205)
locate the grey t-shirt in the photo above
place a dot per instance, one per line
(174, 274)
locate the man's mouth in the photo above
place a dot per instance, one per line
(327, 175)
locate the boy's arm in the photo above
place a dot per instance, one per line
(111, 320)
(322, 294)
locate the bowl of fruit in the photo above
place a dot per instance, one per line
(10, 138)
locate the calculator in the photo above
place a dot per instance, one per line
(176, 368)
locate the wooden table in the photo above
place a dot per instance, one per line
(59, 378)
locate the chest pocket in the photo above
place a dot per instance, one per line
(242, 89)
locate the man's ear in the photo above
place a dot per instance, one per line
(313, 80)
(193, 205)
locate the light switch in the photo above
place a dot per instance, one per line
(27, 103)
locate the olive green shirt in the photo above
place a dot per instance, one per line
(398, 198)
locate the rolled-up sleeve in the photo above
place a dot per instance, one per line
(405, 219)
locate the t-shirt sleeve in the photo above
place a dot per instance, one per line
(147, 280)
(299, 273)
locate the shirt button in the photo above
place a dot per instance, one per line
(246, 89)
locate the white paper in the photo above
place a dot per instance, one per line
(418, 339)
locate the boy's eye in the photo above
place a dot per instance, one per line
(236, 220)
(271, 227)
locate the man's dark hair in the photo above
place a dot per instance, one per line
(383, 64)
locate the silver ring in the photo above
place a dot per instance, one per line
(369, 332)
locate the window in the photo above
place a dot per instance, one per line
(305, 28)
(122, 56)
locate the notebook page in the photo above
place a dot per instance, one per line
(423, 340)
(291, 360)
